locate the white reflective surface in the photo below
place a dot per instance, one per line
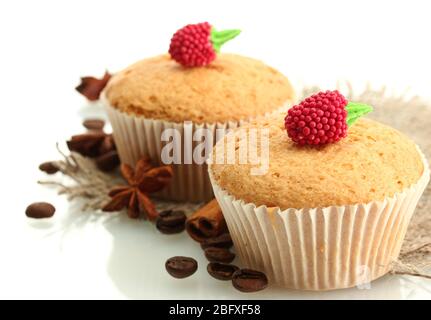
(88, 255)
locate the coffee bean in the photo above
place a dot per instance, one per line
(222, 241)
(87, 144)
(181, 267)
(48, 167)
(108, 161)
(215, 254)
(247, 280)
(107, 145)
(170, 229)
(221, 271)
(172, 217)
(94, 124)
(39, 210)
(170, 221)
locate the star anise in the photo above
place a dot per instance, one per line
(91, 87)
(141, 181)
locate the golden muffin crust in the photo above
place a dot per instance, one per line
(373, 162)
(231, 88)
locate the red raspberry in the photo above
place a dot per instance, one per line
(319, 119)
(196, 45)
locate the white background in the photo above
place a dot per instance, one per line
(45, 46)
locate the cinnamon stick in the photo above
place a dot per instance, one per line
(207, 222)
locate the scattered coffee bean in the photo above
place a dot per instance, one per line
(108, 161)
(222, 241)
(221, 271)
(87, 144)
(39, 210)
(107, 145)
(172, 217)
(171, 221)
(48, 167)
(94, 124)
(169, 229)
(247, 280)
(215, 254)
(181, 267)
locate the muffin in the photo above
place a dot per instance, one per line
(320, 217)
(158, 93)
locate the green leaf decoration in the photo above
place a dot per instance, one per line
(356, 110)
(219, 38)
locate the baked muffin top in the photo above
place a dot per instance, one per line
(233, 87)
(374, 161)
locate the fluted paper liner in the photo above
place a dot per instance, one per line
(321, 248)
(139, 136)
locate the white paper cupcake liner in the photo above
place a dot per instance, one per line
(139, 136)
(321, 248)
